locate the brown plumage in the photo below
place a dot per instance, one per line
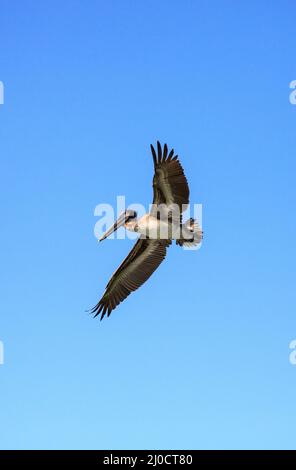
(137, 267)
(169, 182)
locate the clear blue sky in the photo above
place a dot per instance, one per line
(199, 356)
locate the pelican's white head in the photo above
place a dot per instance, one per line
(128, 218)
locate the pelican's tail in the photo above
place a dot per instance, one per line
(191, 234)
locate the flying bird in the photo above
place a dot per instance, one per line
(157, 229)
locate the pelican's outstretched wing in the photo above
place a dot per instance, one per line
(141, 262)
(169, 182)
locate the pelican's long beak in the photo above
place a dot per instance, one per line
(119, 222)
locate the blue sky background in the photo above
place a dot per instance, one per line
(199, 356)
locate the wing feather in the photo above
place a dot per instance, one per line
(170, 185)
(138, 266)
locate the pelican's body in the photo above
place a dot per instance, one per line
(156, 230)
(149, 225)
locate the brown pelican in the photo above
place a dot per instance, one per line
(157, 229)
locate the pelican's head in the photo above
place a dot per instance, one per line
(127, 217)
